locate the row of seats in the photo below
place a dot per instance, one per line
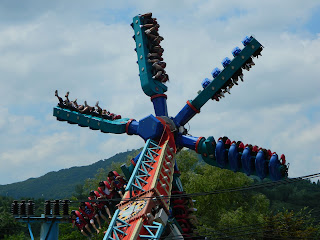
(237, 75)
(96, 111)
(250, 158)
(150, 28)
(101, 205)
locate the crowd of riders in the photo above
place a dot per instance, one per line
(101, 204)
(151, 27)
(95, 111)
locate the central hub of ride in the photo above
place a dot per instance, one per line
(152, 127)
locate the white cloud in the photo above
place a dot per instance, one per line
(88, 50)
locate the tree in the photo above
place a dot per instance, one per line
(291, 225)
(79, 192)
(93, 183)
(8, 225)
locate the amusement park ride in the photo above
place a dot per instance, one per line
(144, 212)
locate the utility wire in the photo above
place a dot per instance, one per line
(228, 190)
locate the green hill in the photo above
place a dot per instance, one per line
(60, 184)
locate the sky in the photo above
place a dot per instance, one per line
(86, 47)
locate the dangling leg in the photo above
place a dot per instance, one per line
(108, 211)
(98, 220)
(103, 216)
(120, 193)
(59, 98)
(88, 228)
(99, 109)
(84, 233)
(67, 96)
(94, 226)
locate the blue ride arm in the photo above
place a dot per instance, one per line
(235, 156)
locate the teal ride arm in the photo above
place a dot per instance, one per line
(117, 126)
(226, 74)
(149, 86)
(218, 83)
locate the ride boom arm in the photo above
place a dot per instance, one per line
(236, 156)
(149, 85)
(117, 126)
(221, 81)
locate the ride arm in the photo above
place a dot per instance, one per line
(117, 126)
(149, 86)
(220, 82)
(236, 156)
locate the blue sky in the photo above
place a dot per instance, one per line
(87, 49)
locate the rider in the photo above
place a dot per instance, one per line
(79, 221)
(117, 182)
(102, 207)
(88, 212)
(106, 192)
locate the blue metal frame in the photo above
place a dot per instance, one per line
(30, 231)
(158, 227)
(50, 234)
(49, 226)
(185, 115)
(114, 228)
(160, 105)
(143, 166)
(187, 141)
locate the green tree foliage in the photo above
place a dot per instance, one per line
(291, 225)
(20, 236)
(79, 192)
(220, 211)
(8, 225)
(92, 183)
(66, 232)
(294, 196)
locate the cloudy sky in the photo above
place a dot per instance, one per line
(86, 47)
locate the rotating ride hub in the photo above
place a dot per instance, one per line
(144, 212)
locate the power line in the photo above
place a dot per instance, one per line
(228, 190)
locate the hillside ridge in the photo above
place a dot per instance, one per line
(62, 182)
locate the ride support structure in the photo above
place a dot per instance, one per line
(55, 213)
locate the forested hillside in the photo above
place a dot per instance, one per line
(60, 184)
